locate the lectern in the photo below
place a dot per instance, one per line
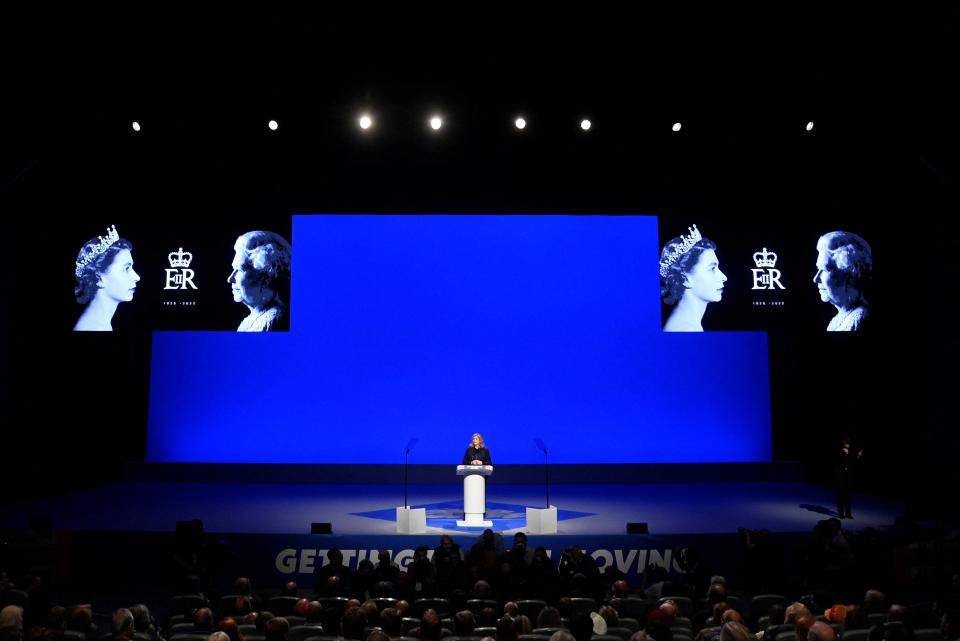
(474, 494)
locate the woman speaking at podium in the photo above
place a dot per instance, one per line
(477, 453)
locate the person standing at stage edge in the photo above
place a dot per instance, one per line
(477, 453)
(845, 462)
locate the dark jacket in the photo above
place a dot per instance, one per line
(483, 454)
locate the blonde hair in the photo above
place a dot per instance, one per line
(479, 436)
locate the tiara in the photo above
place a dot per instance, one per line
(686, 244)
(104, 244)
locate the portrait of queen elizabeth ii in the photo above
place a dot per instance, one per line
(260, 280)
(844, 268)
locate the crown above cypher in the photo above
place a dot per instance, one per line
(180, 258)
(765, 258)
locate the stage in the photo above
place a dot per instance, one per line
(364, 509)
(262, 530)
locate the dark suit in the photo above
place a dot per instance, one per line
(483, 454)
(844, 465)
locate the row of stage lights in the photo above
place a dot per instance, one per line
(365, 122)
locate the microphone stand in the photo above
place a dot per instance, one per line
(546, 466)
(546, 470)
(406, 457)
(406, 460)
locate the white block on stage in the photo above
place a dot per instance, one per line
(411, 520)
(542, 520)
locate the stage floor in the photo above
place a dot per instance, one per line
(369, 509)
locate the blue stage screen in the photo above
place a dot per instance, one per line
(439, 326)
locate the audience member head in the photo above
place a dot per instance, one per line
(371, 613)
(56, 618)
(218, 636)
(896, 613)
(263, 620)
(11, 623)
(821, 631)
(390, 621)
(670, 610)
(290, 588)
(507, 630)
(523, 624)
(621, 588)
(559, 635)
(242, 605)
(794, 611)
(731, 616)
(378, 635)
(314, 612)
(802, 626)
(734, 631)
(610, 616)
(242, 586)
(463, 623)
(80, 618)
(430, 627)
(231, 629)
(716, 593)
(203, 620)
(353, 623)
(718, 610)
(549, 617)
(121, 624)
(481, 590)
(511, 610)
(277, 629)
(874, 601)
(142, 621)
(836, 614)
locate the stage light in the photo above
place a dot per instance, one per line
(365, 122)
(436, 123)
(676, 126)
(810, 126)
(272, 125)
(585, 124)
(520, 123)
(135, 125)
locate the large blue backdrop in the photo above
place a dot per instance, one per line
(440, 326)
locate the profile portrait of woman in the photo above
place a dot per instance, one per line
(477, 452)
(105, 278)
(261, 280)
(690, 279)
(844, 268)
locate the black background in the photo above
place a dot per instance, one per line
(880, 161)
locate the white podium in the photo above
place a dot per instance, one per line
(474, 494)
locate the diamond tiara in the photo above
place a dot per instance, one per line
(104, 244)
(686, 244)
